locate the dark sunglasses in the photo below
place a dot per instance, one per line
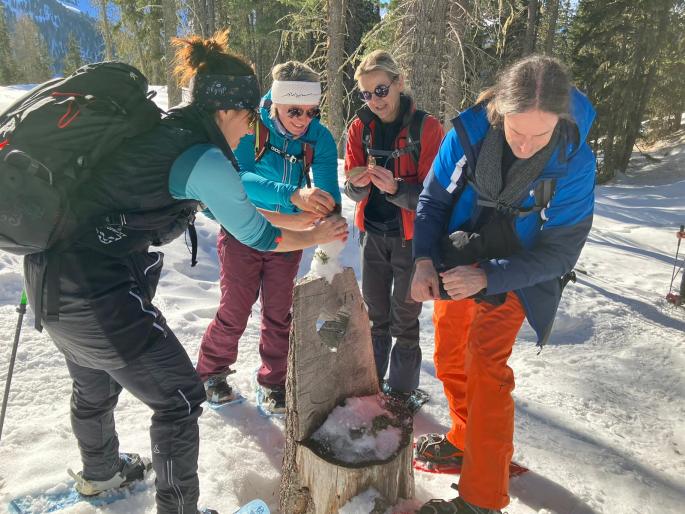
(296, 112)
(381, 91)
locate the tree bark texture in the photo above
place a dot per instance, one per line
(529, 44)
(331, 359)
(454, 77)
(423, 28)
(106, 30)
(170, 30)
(335, 95)
(552, 19)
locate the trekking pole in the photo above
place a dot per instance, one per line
(675, 263)
(21, 310)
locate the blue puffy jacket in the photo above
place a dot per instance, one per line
(552, 238)
(271, 182)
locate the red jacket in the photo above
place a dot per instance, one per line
(404, 166)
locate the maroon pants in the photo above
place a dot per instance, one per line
(246, 273)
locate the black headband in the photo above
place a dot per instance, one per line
(223, 92)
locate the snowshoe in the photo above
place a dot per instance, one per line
(412, 400)
(455, 506)
(220, 393)
(133, 468)
(435, 454)
(271, 400)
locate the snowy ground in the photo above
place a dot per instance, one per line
(600, 412)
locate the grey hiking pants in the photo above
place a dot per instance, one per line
(386, 279)
(164, 379)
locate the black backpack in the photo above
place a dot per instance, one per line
(53, 138)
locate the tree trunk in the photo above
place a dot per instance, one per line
(553, 8)
(170, 30)
(211, 17)
(335, 96)
(453, 81)
(331, 359)
(198, 17)
(156, 45)
(529, 44)
(106, 30)
(424, 25)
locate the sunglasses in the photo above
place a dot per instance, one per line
(381, 91)
(296, 112)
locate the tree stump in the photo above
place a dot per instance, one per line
(331, 359)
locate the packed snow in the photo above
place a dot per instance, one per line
(371, 499)
(361, 430)
(326, 260)
(600, 412)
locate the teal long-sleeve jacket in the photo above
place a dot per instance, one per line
(271, 182)
(204, 173)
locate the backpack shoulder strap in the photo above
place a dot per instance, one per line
(366, 139)
(415, 133)
(469, 151)
(307, 161)
(543, 193)
(261, 140)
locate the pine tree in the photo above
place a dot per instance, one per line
(106, 29)
(423, 30)
(337, 17)
(72, 59)
(617, 49)
(8, 68)
(531, 26)
(552, 11)
(170, 21)
(31, 52)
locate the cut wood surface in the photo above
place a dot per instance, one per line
(331, 359)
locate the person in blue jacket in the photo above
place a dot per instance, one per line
(503, 216)
(289, 143)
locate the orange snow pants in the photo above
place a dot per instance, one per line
(473, 342)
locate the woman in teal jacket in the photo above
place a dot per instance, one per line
(278, 183)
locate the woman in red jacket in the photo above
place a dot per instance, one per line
(390, 148)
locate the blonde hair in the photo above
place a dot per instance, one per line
(535, 82)
(292, 71)
(378, 60)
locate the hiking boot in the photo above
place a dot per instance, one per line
(412, 400)
(133, 468)
(273, 399)
(217, 389)
(435, 448)
(455, 506)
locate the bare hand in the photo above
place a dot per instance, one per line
(424, 284)
(383, 179)
(362, 179)
(313, 200)
(463, 281)
(330, 229)
(302, 220)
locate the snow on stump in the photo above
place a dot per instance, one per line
(361, 440)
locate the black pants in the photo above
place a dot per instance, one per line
(114, 338)
(164, 379)
(386, 279)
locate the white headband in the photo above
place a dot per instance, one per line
(295, 93)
